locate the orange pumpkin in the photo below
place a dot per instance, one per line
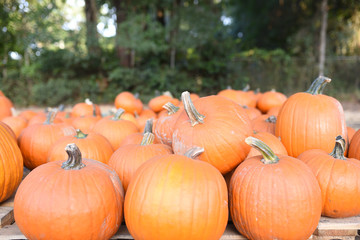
(180, 199)
(252, 112)
(8, 129)
(128, 102)
(158, 102)
(217, 124)
(354, 148)
(85, 123)
(92, 146)
(115, 129)
(270, 100)
(28, 114)
(264, 123)
(77, 199)
(127, 159)
(16, 123)
(11, 168)
(41, 118)
(136, 138)
(274, 197)
(271, 141)
(5, 106)
(165, 125)
(310, 120)
(274, 111)
(242, 97)
(351, 132)
(86, 108)
(339, 180)
(35, 140)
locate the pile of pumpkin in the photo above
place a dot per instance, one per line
(171, 167)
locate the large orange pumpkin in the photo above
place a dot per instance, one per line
(127, 159)
(274, 197)
(86, 108)
(175, 197)
(310, 120)
(339, 179)
(128, 102)
(270, 100)
(92, 146)
(217, 124)
(78, 199)
(11, 167)
(115, 129)
(35, 140)
(354, 148)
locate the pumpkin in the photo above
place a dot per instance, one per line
(16, 123)
(115, 129)
(5, 106)
(127, 159)
(264, 123)
(11, 168)
(274, 111)
(8, 129)
(41, 118)
(310, 120)
(85, 123)
(28, 114)
(354, 148)
(271, 141)
(274, 197)
(158, 102)
(252, 112)
(128, 102)
(86, 108)
(92, 146)
(270, 100)
(136, 138)
(35, 140)
(339, 179)
(217, 124)
(242, 97)
(165, 125)
(175, 197)
(351, 132)
(78, 199)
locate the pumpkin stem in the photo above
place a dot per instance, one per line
(51, 116)
(339, 149)
(88, 101)
(148, 139)
(74, 159)
(269, 156)
(194, 152)
(246, 88)
(136, 114)
(271, 119)
(118, 114)
(257, 91)
(136, 95)
(170, 108)
(61, 107)
(228, 87)
(194, 116)
(168, 93)
(318, 85)
(94, 110)
(148, 126)
(80, 134)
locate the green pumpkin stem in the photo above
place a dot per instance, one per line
(51, 116)
(148, 126)
(339, 149)
(194, 116)
(318, 85)
(148, 139)
(80, 134)
(269, 156)
(94, 110)
(118, 114)
(246, 88)
(194, 152)
(168, 93)
(74, 161)
(170, 108)
(271, 119)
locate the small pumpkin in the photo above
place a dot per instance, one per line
(86, 108)
(264, 123)
(92, 146)
(5, 106)
(351, 132)
(76, 199)
(270, 100)
(274, 111)
(274, 197)
(16, 123)
(180, 199)
(11, 167)
(271, 141)
(129, 102)
(115, 129)
(310, 120)
(252, 112)
(158, 102)
(136, 138)
(339, 179)
(354, 148)
(28, 114)
(86, 123)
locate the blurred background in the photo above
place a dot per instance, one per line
(62, 51)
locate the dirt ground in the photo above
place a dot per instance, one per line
(351, 109)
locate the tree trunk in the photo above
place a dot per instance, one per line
(123, 54)
(322, 49)
(92, 38)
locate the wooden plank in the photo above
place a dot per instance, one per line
(351, 223)
(231, 233)
(122, 233)
(9, 202)
(6, 216)
(11, 232)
